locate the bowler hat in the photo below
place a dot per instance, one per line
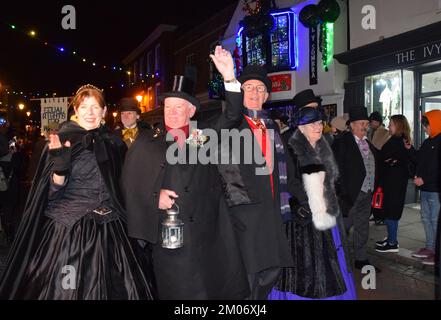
(305, 97)
(358, 113)
(128, 104)
(182, 88)
(255, 72)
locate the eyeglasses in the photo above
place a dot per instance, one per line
(250, 87)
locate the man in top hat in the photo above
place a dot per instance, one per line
(259, 202)
(377, 133)
(306, 98)
(356, 158)
(130, 115)
(208, 265)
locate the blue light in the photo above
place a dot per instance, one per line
(61, 49)
(293, 64)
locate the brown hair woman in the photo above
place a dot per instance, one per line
(394, 164)
(72, 242)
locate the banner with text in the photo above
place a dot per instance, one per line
(53, 113)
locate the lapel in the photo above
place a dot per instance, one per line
(356, 151)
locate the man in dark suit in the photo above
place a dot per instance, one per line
(356, 158)
(208, 265)
(130, 115)
(258, 200)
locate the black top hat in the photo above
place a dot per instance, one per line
(255, 72)
(277, 115)
(182, 88)
(358, 113)
(305, 97)
(376, 116)
(307, 115)
(128, 104)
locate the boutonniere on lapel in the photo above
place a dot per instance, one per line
(196, 138)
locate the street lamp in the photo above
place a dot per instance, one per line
(139, 98)
(115, 114)
(28, 113)
(21, 106)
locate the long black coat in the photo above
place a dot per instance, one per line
(255, 213)
(208, 266)
(394, 161)
(351, 167)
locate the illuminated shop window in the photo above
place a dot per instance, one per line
(255, 52)
(383, 94)
(278, 49)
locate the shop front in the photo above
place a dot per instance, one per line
(297, 56)
(398, 75)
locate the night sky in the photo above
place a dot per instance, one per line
(106, 32)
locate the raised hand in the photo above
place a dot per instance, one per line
(60, 155)
(223, 61)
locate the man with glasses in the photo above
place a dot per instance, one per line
(259, 203)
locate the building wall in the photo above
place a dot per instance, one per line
(392, 18)
(331, 83)
(199, 42)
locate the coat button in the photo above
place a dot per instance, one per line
(191, 219)
(186, 189)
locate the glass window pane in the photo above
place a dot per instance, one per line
(408, 100)
(383, 94)
(431, 82)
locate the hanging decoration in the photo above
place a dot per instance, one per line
(325, 13)
(63, 50)
(250, 11)
(259, 20)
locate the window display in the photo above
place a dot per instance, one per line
(383, 94)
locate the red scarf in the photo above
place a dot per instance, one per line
(177, 134)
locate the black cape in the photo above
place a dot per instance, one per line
(109, 152)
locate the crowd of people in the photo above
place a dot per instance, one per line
(93, 224)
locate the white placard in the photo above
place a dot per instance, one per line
(53, 113)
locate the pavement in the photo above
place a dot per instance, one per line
(402, 277)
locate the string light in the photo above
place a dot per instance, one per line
(33, 34)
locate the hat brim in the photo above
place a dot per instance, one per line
(182, 95)
(266, 81)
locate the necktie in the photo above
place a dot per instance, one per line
(364, 146)
(130, 134)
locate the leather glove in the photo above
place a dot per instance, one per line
(62, 160)
(302, 214)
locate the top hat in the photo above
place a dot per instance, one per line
(376, 116)
(305, 97)
(277, 115)
(358, 113)
(255, 72)
(307, 115)
(182, 88)
(128, 104)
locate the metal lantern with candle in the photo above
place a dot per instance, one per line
(172, 230)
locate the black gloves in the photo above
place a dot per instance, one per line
(301, 213)
(62, 159)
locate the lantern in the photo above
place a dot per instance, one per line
(172, 230)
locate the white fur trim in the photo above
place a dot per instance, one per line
(314, 187)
